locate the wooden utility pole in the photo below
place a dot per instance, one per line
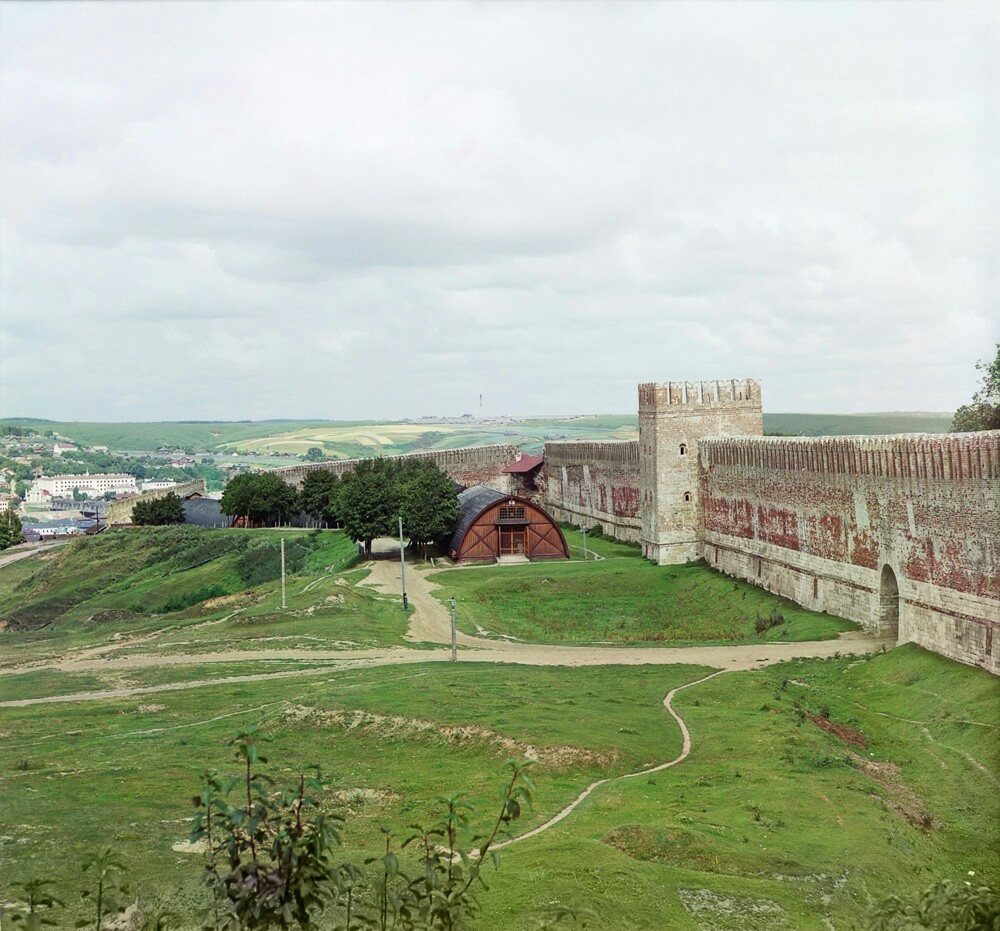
(283, 573)
(402, 564)
(454, 634)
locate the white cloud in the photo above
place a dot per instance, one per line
(381, 210)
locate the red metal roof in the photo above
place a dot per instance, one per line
(524, 464)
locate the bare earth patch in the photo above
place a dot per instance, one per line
(458, 735)
(185, 846)
(847, 734)
(899, 798)
(358, 798)
(240, 599)
(713, 911)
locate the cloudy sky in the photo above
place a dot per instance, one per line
(378, 210)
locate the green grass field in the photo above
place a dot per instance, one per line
(772, 822)
(623, 599)
(780, 818)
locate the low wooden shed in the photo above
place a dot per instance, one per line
(498, 527)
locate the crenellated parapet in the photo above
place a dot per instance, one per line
(725, 393)
(950, 457)
(623, 454)
(899, 533)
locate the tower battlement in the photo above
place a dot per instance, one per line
(724, 393)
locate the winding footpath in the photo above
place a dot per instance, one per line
(683, 755)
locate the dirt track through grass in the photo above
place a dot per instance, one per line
(683, 755)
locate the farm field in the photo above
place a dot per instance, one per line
(352, 439)
(624, 598)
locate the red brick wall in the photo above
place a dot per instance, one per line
(594, 483)
(817, 519)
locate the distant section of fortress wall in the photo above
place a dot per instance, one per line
(120, 512)
(595, 483)
(842, 524)
(470, 465)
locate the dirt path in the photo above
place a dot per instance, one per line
(683, 755)
(430, 621)
(29, 549)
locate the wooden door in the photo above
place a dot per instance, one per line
(511, 541)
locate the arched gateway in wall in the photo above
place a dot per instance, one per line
(888, 606)
(497, 527)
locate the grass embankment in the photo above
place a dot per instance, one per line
(625, 599)
(124, 771)
(186, 590)
(772, 822)
(157, 571)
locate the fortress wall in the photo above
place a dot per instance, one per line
(817, 520)
(470, 465)
(120, 512)
(595, 483)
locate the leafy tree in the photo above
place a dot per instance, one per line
(270, 860)
(945, 906)
(165, 510)
(320, 495)
(270, 863)
(260, 497)
(368, 502)
(983, 413)
(78, 495)
(427, 503)
(315, 454)
(10, 529)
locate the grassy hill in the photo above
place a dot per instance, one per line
(774, 822)
(813, 788)
(856, 424)
(124, 575)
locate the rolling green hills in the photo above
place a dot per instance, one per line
(359, 439)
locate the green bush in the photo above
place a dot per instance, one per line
(188, 599)
(262, 562)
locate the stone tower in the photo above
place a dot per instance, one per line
(673, 417)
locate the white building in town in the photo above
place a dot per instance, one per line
(94, 486)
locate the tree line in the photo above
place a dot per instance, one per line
(367, 502)
(983, 411)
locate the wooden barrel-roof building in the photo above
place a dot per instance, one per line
(494, 526)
